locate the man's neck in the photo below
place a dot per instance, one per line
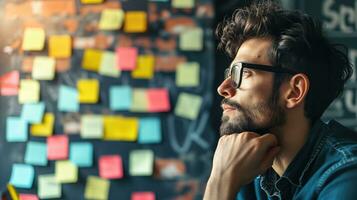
(292, 136)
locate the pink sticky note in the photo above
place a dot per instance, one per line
(158, 100)
(110, 167)
(126, 57)
(57, 147)
(9, 83)
(143, 196)
(28, 197)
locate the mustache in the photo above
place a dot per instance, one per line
(231, 104)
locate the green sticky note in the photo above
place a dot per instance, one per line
(188, 105)
(111, 19)
(66, 172)
(91, 126)
(108, 65)
(188, 74)
(183, 4)
(96, 188)
(141, 162)
(36, 153)
(191, 39)
(48, 187)
(140, 100)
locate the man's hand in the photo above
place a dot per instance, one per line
(238, 159)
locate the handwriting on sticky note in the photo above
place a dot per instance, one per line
(34, 39)
(36, 153)
(22, 175)
(68, 99)
(120, 97)
(141, 162)
(60, 46)
(91, 126)
(120, 128)
(188, 105)
(145, 67)
(57, 147)
(126, 57)
(29, 91)
(188, 74)
(66, 172)
(45, 128)
(48, 187)
(96, 188)
(16, 129)
(111, 19)
(158, 100)
(149, 130)
(88, 90)
(110, 167)
(135, 22)
(81, 154)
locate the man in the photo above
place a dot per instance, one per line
(273, 145)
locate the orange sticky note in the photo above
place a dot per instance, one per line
(135, 22)
(121, 128)
(126, 57)
(34, 39)
(60, 46)
(145, 67)
(158, 100)
(9, 83)
(91, 59)
(110, 167)
(57, 147)
(88, 90)
(45, 128)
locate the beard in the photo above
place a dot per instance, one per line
(270, 113)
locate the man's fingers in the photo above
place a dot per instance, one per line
(268, 141)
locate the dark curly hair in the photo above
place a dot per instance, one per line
(298, 43)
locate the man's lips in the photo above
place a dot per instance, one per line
(226, 107)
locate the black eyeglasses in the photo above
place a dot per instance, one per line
(235, 72)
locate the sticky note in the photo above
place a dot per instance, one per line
(121, 128)
(91, 1)
(96, 188)
(60, 46)
(191, 39)
(43, 68)
(57, 147)
(48, 188)
(36, 153)
(9, 83)
(91, 59)
(143, 196)
(16, 130)
(88, 90)
(183, 4)
(141, 163)
(188, 74)
(91, 126)
(111, 19)
(29, 91)
(188, 106)
(81, 154)
(158, 100)
(108, 65)
(149, 130)
(33, 113)
(22, 176)
(28, 197)
(135, 22)
(139, 101)
(45, 128)
(110, 167)
(34, 39)
(145, 67)
(68, 99)
(126, 57)
(66, 172)
(120, 97)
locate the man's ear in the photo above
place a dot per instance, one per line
(296, 91)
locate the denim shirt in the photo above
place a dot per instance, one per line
(324, 168)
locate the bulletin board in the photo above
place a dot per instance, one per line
(177, 39)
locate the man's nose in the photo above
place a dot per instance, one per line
(225, 89)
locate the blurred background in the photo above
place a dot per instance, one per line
(116, 99)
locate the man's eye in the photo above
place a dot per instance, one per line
(246, 72)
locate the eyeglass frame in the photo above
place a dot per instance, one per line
(241, 65)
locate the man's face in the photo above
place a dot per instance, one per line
(254, 106)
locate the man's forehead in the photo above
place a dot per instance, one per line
(254, 50)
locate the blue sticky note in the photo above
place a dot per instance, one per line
(149, 130)
(22, 176)
(36, 153)
(120, 97)
(68, 99)
(33, 113)
(81, 154)
(16, 129)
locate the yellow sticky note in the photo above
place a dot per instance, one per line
(66, 172)
(34, 39)
(111, 19)
(91, 1)
(145, 67)
(108, 65)
(139, 100)
(135, 21)
(88, 90)
(183, 4)
(43, 68)
(191, 39)
(60, 46)
(188, 74)
(29, 91)
(45, 128)
(91, 59)
(121, 128)
(96, 188)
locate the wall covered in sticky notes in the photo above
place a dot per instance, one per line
(106, 99)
